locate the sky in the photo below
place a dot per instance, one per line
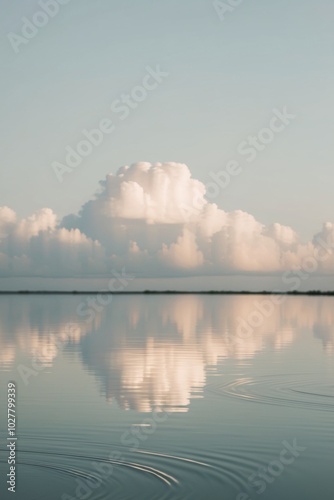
(194, 90)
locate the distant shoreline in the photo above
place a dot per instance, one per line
(165, 292)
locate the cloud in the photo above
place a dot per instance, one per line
(155, 220)
(37, 246)
(184, 253)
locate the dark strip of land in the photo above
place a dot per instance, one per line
(165, 292)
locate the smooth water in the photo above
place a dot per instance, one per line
(169, 397)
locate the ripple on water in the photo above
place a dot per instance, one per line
(160, 476)
(282, 390)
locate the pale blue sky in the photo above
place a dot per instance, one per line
(225, 77)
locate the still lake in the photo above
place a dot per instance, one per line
(169, 397)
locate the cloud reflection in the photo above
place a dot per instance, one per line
(154, 352)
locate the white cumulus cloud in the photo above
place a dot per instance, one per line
(154, 219)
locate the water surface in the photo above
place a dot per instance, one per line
(169, 397)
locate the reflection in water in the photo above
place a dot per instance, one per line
(153, 352)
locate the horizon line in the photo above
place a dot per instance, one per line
(165, 292)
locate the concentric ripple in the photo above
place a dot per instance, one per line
(162, 476)
(282, 390)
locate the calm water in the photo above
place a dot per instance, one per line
(169, 397)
